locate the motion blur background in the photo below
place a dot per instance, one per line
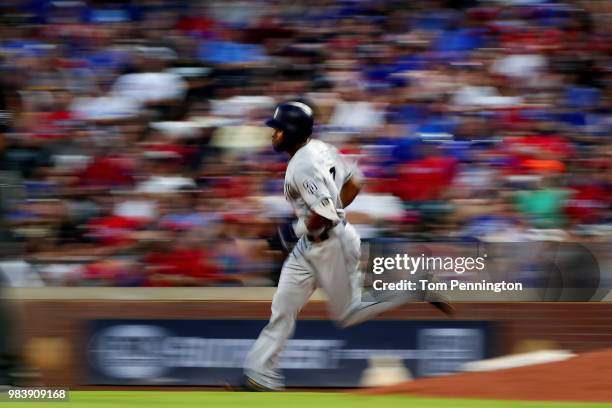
(132, 153)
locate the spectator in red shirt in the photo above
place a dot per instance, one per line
(182, 262)
(425, 179)
(108, 171)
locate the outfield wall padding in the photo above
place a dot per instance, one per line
(52, 332)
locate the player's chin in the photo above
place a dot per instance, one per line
(278, 147)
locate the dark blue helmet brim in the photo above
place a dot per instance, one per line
(275, 124)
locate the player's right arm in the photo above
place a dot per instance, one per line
(349, 190)
(353, 178)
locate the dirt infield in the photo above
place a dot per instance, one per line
(587, 377)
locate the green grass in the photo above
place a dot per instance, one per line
(208, 399)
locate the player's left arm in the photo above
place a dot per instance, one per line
(323, 215)
(348, 192)
(310, 185)
(313, 224)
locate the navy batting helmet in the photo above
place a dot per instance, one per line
(295, 119)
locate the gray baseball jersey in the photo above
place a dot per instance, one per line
(314, 178)
(313, 181)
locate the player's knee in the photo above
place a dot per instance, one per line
(343, 320)
(342, 323)
(346, 323)
(284, 312)
(284, 316)
(281, 323)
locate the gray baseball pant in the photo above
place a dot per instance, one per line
(331, 265)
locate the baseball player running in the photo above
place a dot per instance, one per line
(319, 183)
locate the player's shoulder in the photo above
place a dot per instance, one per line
(314, 151)
(306, 160)
(317, 146)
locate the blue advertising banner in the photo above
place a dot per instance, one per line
(211, 352)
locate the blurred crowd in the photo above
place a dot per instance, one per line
(133, 151)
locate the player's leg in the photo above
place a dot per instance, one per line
(295, 287)
(336, 266)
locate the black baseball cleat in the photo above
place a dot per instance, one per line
(444, 307)
(441, 303)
